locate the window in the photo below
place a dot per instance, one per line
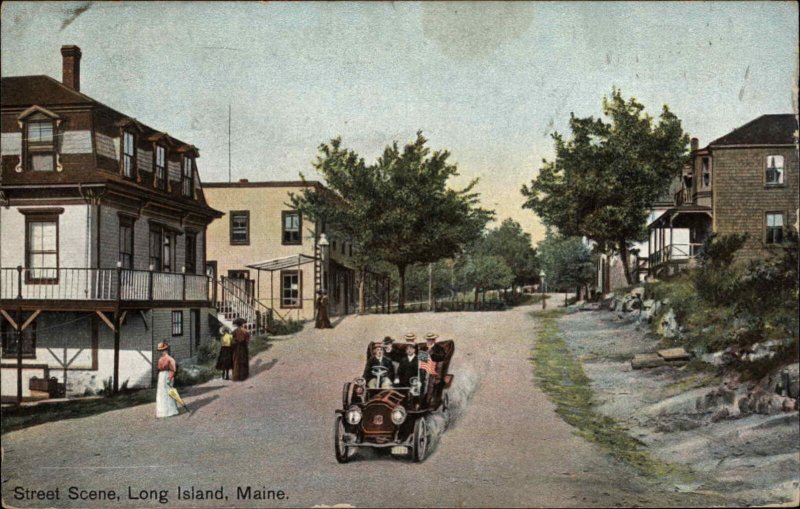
(705, 172)
(291, 289)
(126, 242)
(191, 253)
(774, 170)
(168, 260)
(128, 154)
(188, 180)
(240, 227)
(196, 327)
(159, 180)
(774, 228)
(41, 147)
(10, 340)
(177, 323)
(155, 248)
(291, 227)
(41, 243)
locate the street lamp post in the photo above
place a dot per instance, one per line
(322, 300)
(541, 283)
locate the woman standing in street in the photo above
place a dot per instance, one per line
(241, 352)
(225, 358)
(165, 405)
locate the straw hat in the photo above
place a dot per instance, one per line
(431, 336)
(162, 346)
(411, 337)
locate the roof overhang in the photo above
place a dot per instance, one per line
(282, 263)
(667, 218)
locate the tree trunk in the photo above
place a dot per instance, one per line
(476, 297)
(362, 297)
(401, 295)
(623, 253)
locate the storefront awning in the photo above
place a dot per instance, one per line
(282, 263)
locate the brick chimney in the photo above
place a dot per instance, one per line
(695, 144)
(71, 75)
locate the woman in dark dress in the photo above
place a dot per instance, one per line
(241, 352)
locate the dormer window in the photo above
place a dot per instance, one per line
(41, 147)
(188, 176)
(774, 170)
(128, 154)
(160, 167)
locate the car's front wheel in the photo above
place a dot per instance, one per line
(341, 448)
(422, 439)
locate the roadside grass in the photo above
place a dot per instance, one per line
(16, 418)
(561, 376)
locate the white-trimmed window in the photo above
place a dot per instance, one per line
(774, 170)
(42, 249)
(177, 323)
(291, 289)
(774, 228)
(160, 167)
(40, 139)
(128, 154)
(705, 172)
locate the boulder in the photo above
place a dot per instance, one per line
(668, 327)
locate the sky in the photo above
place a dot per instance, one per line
(490, 82)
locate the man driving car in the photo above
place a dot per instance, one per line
(377, 361)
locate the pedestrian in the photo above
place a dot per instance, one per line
(241, 353)
(323, 322)
(225, 358)
(165, 405)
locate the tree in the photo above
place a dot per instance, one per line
(604, 179)
(483, 272)
(421, 219)
(514, 246)
(348, 204)
(567, 262)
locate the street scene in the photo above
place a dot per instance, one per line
(399, 254)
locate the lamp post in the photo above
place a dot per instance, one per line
(541, 283)
(322, 314)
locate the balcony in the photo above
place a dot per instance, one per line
(82, 288)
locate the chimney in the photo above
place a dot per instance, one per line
(71, 75)
(243, 181)
(695, 143)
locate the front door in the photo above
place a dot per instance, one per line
(241, 279)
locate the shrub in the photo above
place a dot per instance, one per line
(208, 352)
(281, 328)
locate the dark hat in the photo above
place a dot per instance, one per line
(162, 346)
(239, 322)
(387, 340)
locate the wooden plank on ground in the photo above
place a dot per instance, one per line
(647, 360)
(674, 354)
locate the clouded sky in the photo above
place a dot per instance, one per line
(488, 81)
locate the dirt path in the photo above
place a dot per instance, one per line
(275, 430)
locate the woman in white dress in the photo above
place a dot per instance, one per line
(165, 405)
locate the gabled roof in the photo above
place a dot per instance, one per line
(765, 130)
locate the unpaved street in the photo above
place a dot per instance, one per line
(508, 448)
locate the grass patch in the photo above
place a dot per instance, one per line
(282, 328)
(15, 418)
(562, 377)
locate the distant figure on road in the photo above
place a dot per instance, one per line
(225, 358)
(165, 405)
(379, 360)
(323, 322)
(241, 352)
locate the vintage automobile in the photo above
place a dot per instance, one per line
(396, 419)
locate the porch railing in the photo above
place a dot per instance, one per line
(674, 253)
(101, 284)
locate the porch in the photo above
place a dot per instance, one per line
(676, 238)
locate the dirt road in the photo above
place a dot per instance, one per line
(275, 431)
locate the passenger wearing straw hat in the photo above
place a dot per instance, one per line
(165, 405)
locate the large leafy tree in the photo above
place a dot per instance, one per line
(422, 220)
(348, 204)
(567, 262)
(483, 272)
(514, 246)
(604, 178)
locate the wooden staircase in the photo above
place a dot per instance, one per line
(232, 301)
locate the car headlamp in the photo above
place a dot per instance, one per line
(353, 415)
(398, 415)
(360, 382)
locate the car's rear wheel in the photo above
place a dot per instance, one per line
(342, 449)
(422, 439)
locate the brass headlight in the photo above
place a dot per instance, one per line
(398, 415)
(353, 415)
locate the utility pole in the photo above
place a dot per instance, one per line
(229, 143)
